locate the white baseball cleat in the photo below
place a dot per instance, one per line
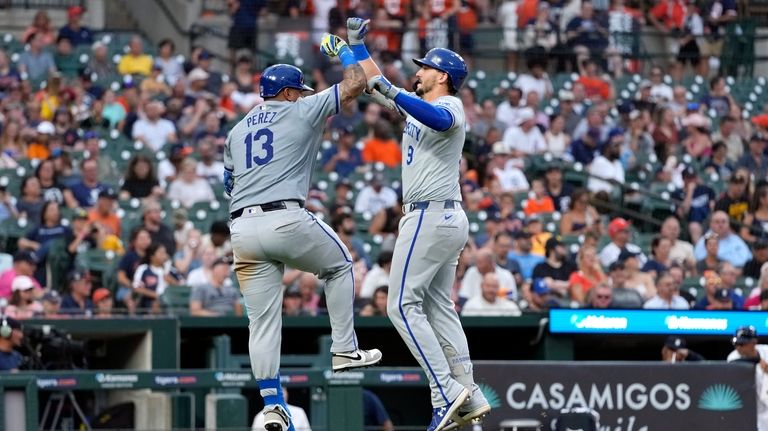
(277, 419)
(472, 411)
(356, 359)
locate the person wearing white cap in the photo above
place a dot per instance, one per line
(23, 304)
(525, 138)
(510, 177)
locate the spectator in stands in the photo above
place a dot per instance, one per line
(10, 359)
(102, 303)
(78, 300)
(718, 164)
(558, 141)
(597, 88)
(24, 263)
(606, 171)
(485, 263)
(244, 29)
(735, 200)
(377, 305)
(755, 223)
(581, 217)
(41, 237)
(169, 167)
(104, 212)
(219, 298)
(345, 227)
(556, 270)
(171, 68)
(152, 221)
(36, 62)
(666, 296)
(538, 202)
(140, 180)
(152, 277)
(523, 252)
(382, 148)
(588, 275)
(681, 251)
(660, 258)
(299, 419)
(718, 97)
(292, 302)
(486, 120)
(135, 61)
(524, 138)
(697, 143)
(67, 62)
(586, 35)
(12, 145)
(560, 192)
(23, 304)
(472, 110)
(618, 230)
(41, 24)
(489, 303)
(51, 303)
(728, 134)
(100, 63)
(731, 248)
(208, 167)
(344, 157)
(755, 159)
(584, 149)
(202, 275)
(189, 254)
(188, 188)
(113, 110)
(153, 130)
(567, 110)
(600, 297)
(711, 261)
(501, 246)
(375, 197)
(219, 238)
(309, 285)
(378, 275)
(154, 86)
(508, 111)
(665, 133)
(30, 203)
(74, 30)
(87, 190)
(636, 280)
(140, 240)
(509, 176)
(753, 268)
(716, 296)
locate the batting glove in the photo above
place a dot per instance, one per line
(331, 45)
(383, 86)
(229, 182)
(357, 28)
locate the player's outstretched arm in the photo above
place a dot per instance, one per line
(433, 116)
(353, 83)
(357, 28)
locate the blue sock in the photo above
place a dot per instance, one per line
(272, 392)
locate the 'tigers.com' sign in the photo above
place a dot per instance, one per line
(628, 396)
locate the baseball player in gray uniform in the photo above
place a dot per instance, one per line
(269, 157)
(434, 229)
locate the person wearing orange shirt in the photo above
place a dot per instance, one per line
(381, 147)
(668, 17)
(540, 202)
(38, 149)
(595, 87)
(103, 213)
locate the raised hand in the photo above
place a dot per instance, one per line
(357, 28)
(383, 86)
(331, 45)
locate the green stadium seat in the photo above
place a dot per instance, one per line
(175, 299)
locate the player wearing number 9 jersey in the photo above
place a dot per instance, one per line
(269, 157)
(433, 230)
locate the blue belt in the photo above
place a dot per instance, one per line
(449, 205)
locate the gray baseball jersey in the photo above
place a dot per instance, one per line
(273, 150)
(431, 158)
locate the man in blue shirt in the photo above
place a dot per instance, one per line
(76, 33)
(78, 300)
(731, 248)
(87, 190)
(10, 359)
(343, 158)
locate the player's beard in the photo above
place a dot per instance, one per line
(419, 90)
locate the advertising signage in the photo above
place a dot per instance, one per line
(628, 397)
(695, 322)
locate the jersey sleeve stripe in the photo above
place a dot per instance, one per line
(336, 95)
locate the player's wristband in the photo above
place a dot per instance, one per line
(347, 57)
(360, 51)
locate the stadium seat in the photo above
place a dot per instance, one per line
(175, 300)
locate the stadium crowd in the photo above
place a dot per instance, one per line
(130, 171)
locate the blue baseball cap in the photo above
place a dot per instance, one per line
(539, 286)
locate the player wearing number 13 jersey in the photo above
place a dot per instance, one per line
(269, 157)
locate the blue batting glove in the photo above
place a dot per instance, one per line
(383, 86)
(357, 28)
(229, 182)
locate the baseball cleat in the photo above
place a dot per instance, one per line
(473, 411)
(356, 359)
(276, 419)
(441, 416)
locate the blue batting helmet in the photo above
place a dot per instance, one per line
(448, 62)
(275, 78)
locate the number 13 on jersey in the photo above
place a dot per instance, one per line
(265, 153)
